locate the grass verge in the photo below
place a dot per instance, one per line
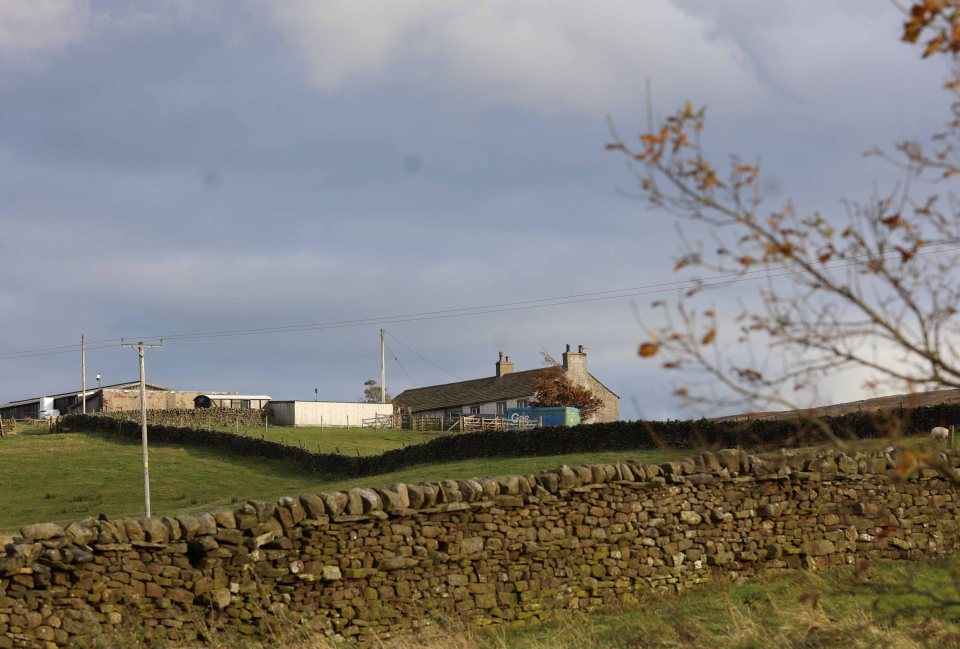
(802, 610)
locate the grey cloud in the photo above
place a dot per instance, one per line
(191, 172)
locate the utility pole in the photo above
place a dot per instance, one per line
(141, 347)
(83, 372)
(383, 370)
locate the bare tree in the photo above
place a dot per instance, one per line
(874, 289)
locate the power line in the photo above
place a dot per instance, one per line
(410, 378)
(594, 296)
(392, 335)
(525, 304)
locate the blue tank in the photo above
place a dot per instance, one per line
(560, 416)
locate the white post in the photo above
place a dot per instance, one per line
(383, 370)
(143, 434)
(141, 350)
(83, 372)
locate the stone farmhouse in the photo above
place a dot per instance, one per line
(506, 389)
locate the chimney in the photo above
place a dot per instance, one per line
(504, 365)
(575, 365)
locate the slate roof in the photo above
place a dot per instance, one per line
(464, 393)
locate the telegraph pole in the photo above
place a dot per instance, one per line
(83, 372)
(141, 348)
(383, 370)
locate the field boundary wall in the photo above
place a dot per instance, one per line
(587, 438)
(189, 417)
(515, 549)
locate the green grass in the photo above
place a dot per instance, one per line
(349, 441)
(73, 475)
(889, 605)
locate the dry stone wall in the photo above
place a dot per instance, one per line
(192, 417)
(510, 549)
(8, 427)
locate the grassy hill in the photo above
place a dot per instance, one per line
(67, 476)
(349, 441)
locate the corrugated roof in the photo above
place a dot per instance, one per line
(464, 393)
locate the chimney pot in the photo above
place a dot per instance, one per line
(580, 349)
(501, 355)
(568, 346)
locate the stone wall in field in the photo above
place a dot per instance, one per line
(193, 417)
(512, 549)
(8, 427)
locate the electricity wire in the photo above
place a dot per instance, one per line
(409, 378)
(424, 357)
(594, 296)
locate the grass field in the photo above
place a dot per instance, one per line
(802, 610)
(349, 441)
(799, 610)
(72, 475)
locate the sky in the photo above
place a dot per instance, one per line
(191, 166)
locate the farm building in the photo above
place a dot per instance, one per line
(232, 401)
(108, 398)
(506, 389)
(324, 413)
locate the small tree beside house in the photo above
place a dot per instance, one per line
(554, 389)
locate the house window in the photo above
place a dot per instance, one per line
(521, 403)
(501, 408)
(474, 410)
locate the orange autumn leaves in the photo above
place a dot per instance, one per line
(648, 349)
(939, 20)
(651, 347)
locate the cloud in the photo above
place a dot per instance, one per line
(549, 57)
(39, 27)
(831, 58)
